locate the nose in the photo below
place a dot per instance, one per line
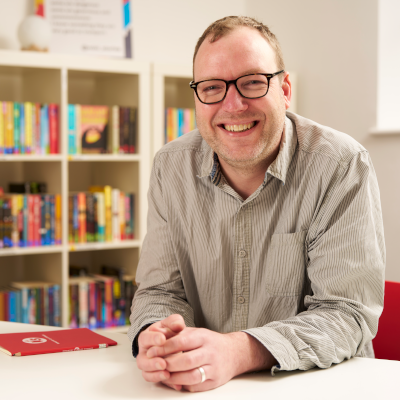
(233, 101)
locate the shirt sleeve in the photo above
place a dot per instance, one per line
(345, 266)
(160, 289)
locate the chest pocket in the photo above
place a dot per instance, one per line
(285, 264)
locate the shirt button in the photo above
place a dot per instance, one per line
(242, 253)
(241, 299)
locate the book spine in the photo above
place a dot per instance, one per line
(18, 305)
(83, 305)
(53, 128)
(9, 133)
(26, 221)
(108, 213)
(1, 127)
(52, 220)
(122, 215)
(36, 220)
(116, 235)
(37, 138)
(50, 294)
(20, 201)
(115, 129)
(45, 308)
(132, 214)
(71, 129)
(47, 217)
(22, 133)
(89, 218)
(78, 125)
(75, 218)
(14, 214)
(57, 310)
(101, 217)
(95, 219)
(132, 130)
(12, 310)
(92, 305)
(82, 217)
(28, 126)
(32, 306)
(58, 230)
(16, 128)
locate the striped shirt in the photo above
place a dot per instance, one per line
(299, 264)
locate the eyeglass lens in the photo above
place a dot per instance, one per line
(251, 86)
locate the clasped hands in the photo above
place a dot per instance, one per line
(171, 353)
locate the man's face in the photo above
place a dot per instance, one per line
(243, 51)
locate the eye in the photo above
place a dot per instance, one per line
(210, 88)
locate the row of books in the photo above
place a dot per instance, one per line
(103, 214)
(30, 220)
(29, 128)
(178, 121)
(101, 300)
(31, 303)
(101, 129)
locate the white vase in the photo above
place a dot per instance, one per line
(34, 33)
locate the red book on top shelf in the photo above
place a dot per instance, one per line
(57, 341)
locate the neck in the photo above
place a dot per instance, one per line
(246, 179)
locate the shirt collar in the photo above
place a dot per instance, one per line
(278, 169)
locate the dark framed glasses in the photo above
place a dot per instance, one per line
(251, 86)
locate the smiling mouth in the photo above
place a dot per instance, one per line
(239, 128)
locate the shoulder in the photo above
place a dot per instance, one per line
(317, 139)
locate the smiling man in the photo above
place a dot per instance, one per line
(265, 245)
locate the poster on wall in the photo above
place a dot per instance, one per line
(90, 27)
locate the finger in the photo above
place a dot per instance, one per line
(181, 342)
(168, 333)
(187, 378)
(201, 387)
(175, 387)
(148, 339)
(174, 323)
(150, 364)
(155, 376)
(185, 361)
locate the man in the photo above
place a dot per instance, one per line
(265, 244)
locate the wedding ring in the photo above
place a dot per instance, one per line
(203, 374)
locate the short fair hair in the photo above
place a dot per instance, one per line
(225, 25)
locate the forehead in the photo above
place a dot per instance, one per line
(242, 51)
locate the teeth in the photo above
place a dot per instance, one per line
(239, 128)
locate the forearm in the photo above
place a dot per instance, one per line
(248, 354)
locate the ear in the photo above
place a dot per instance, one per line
(287, 89)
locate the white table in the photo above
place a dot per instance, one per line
(112, 374)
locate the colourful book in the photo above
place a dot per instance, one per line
(115, 130)
(108, 213)
(1, 127)
(29, 121)
(16, 113)
(22, 128)
(58, 230)
(44, 130)
(9, 128)
(93, 129)
(53, 128)
(71, 129)
(116, 234)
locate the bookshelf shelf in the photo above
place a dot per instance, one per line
(123, 244)
(28, 158)
(62, 79)
(21, 251)
(105, 157)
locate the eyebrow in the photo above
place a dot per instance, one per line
(248, 72)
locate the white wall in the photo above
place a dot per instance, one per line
(388, 65)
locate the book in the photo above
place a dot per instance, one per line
(44, 342)
(94, 129)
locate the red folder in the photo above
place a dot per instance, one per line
(30, 343)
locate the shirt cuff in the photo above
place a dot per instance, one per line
(135, 344)
(278, 346)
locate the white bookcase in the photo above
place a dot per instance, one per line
(171, 89)
(45, 78)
